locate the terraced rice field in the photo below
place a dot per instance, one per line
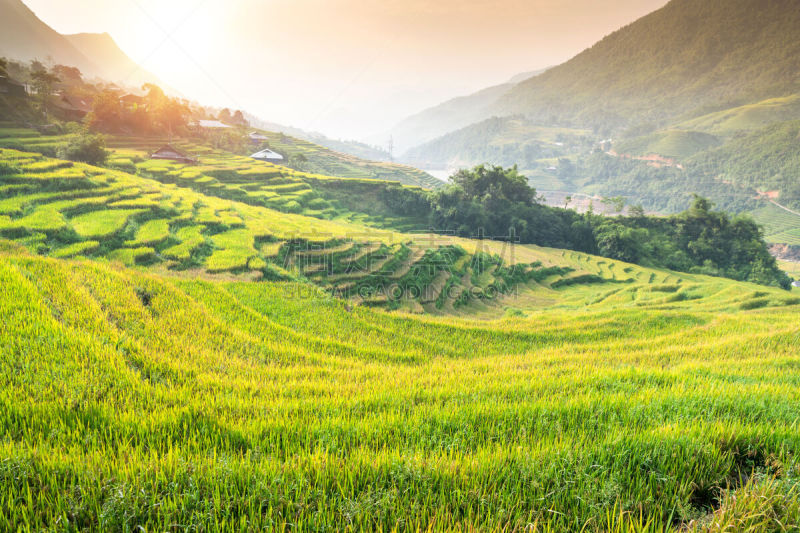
(65, 210)
(781, 226)
(175, 360)
(132, 401)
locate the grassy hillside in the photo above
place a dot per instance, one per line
(683, 58)
(780, 226)
(747, 117)
(766, 159)
(673, 144)
(507, 142)
(318, 159)
(136, 400)
(322, 160)
(240, 225)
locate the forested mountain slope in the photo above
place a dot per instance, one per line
(689, 56)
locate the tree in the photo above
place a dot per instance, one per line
(3, 67)
(166, 112)
(66, 73)
(43, 82)
(298, 161)
(239, 120)
(617, 203)
(85, 148)
(619, 242)
(225, 116)
(106, 113)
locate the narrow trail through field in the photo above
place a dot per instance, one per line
(776, 204)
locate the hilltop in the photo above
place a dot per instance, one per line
(23, 36)
(452, 115)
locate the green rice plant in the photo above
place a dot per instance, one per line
(191, 238)
(105, 223)
(78, 248)
(132, 256)
(150, 233)
(134, 401)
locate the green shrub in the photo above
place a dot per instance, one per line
(86, 148)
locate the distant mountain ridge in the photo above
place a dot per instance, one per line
(23, 36)
(451, 115)
(114, 63)
(685, 60)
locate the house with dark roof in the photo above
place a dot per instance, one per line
(170, 153)
(72, 107)
(131, 101)
(12, 88)
(258, 138)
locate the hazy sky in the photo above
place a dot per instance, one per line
(348, 68)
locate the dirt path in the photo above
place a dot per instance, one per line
(776, 204)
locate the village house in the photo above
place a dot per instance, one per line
(211, 125)
(12, 88)
(72, 107)
(796, 283)
(258, 138)
(132, 101)
(268, 155)
(170, 153)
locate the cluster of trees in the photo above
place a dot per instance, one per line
(158, 113)
(766, 159)
(494, 202)
(664, 189)
(233, 119)
(502, 140)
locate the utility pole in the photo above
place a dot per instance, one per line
(390, 148)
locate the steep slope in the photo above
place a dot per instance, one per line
(504, 141)
(114, 64)
(451, 115)
(687, 56)
(24, 36)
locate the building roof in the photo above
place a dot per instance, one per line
(258, 136)
(76, 102)
(8, 81)
(132, 99)
(267, 155)
(796, 283)
(212, 124)
(171, 153)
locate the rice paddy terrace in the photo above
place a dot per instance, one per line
(178, 354)
(66, 210)
(131, 399)
(320, 160)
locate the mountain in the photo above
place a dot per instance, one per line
(23, 36)
(114, 64)
(687, 58)
(505, 141)
(451, 115)
(693, 97)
